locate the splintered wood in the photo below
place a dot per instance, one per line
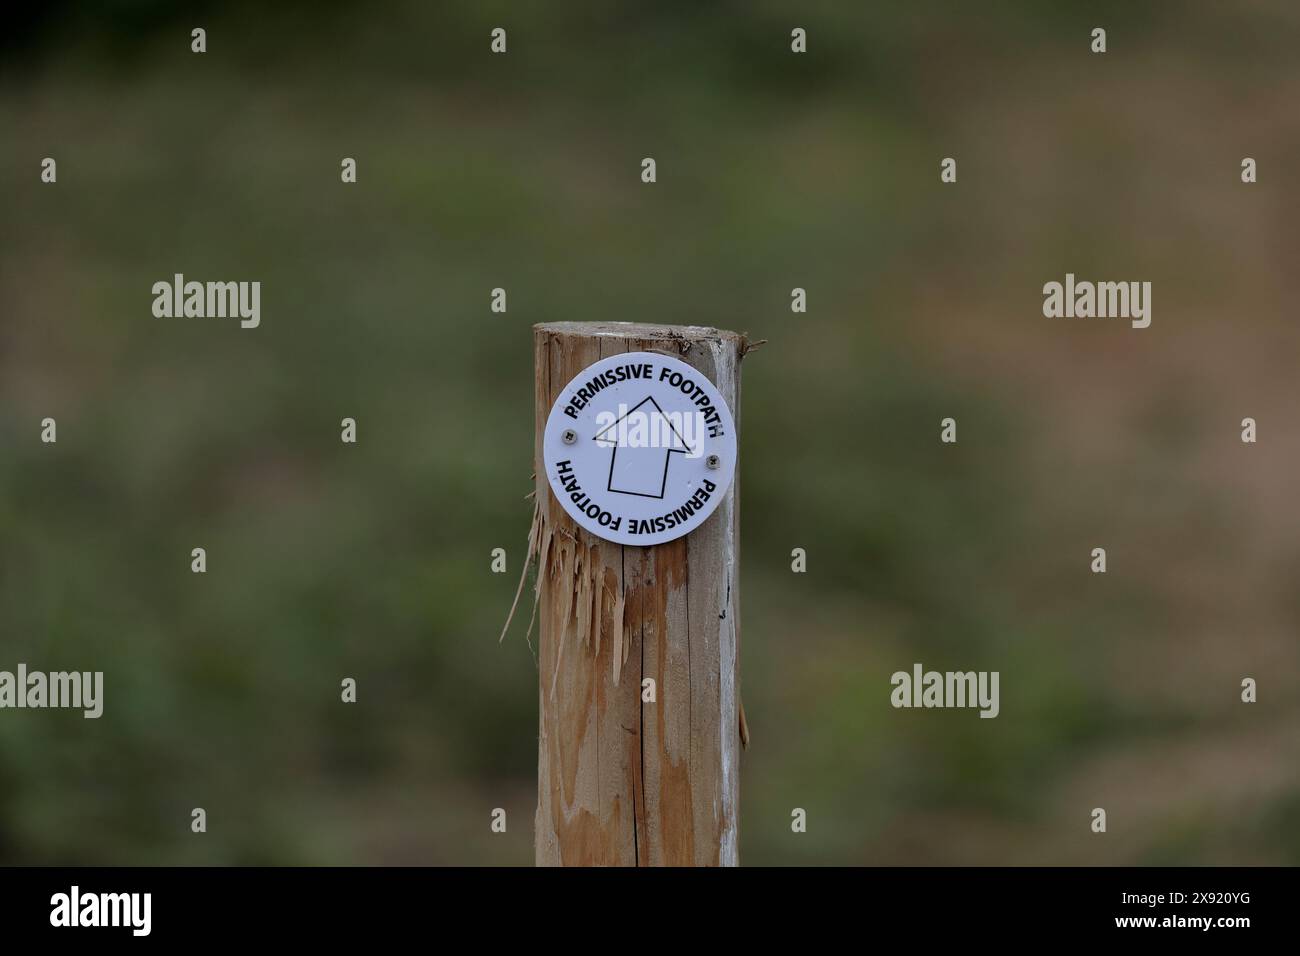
(639, 723)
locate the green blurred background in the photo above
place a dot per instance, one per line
(775, 170)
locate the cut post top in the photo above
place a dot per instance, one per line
(640, 331)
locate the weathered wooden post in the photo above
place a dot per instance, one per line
(640, 721)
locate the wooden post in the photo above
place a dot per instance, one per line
(623, 782)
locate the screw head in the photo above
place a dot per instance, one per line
(569, 436)
(713, 461)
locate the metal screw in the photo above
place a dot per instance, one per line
(569, 436)
(713, 461)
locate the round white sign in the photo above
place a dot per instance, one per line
(639, 448)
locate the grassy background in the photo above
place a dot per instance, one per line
(775, 171)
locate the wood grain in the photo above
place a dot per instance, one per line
(621, 782)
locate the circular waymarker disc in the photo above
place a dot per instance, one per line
(639, 448)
